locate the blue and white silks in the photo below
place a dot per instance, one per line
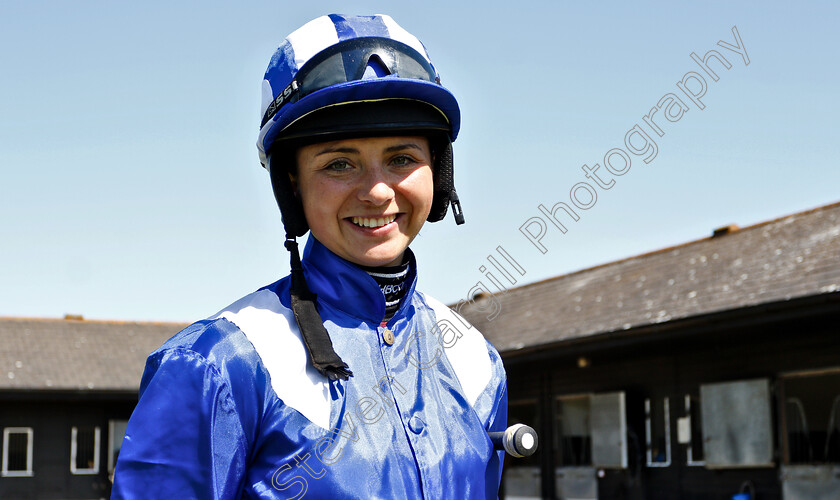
(230, 407)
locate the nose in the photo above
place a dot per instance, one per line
(375, 187)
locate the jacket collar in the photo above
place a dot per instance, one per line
(346, 287)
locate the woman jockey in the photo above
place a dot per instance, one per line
(341, 380)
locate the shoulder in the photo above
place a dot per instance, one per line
(271, 330)
(232, 335)
(460, 338)
(253, 347)
(476, 362)
(212, 359)
(239, 330)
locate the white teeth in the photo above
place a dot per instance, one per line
(373, 222)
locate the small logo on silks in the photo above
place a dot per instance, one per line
(389, 289)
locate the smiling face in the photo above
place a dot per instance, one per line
(366, 199)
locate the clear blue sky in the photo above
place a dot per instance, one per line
(131, 187)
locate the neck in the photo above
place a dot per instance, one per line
(393, 281)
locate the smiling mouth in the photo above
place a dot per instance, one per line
(373, 222)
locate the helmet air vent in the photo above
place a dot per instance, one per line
(375, 68)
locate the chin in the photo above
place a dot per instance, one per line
(380, 259)
(380, 262)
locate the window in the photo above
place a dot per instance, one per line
(591, 430)
(116, 433)
(658, 432)
(690, 432)
(17, 451)
(811, 412)
(522, 478)
(609, 430)
(737, 424)
(574, 441)
(84, 450)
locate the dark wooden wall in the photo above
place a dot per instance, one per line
(52, 417)
(671, 361)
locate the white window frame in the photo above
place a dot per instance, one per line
(74, 448)
(666, 413)
(688, 451)
(29, 440)
(112, 424)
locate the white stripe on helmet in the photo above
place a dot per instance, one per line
(311, 38)
(399, 34)
(267, 96)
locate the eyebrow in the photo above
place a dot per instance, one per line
(399, 147)
(389, 149)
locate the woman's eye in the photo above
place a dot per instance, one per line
(402, 161)
(338, 166)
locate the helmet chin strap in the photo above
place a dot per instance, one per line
(456, 207)
(315, 336)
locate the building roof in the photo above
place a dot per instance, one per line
(73, 354)
(780, 260)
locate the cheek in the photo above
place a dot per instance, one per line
(418, 180)
(320, 202)
(423, 190)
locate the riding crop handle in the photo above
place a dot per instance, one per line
(518, 440)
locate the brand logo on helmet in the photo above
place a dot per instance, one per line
(278, 101)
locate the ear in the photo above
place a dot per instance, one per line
(293, 181)
(285, 189)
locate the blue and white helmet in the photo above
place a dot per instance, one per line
(353, 75)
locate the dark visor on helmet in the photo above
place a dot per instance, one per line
(346, 62)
